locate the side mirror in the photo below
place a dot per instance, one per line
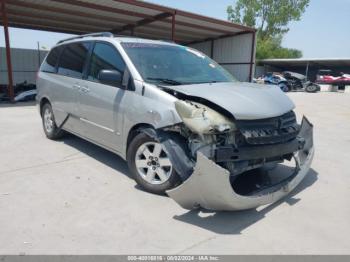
(110, 77)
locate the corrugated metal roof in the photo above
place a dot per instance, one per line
(304, 61)
(119, 16)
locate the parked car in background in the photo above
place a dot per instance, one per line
(298, 82)
(323, 72)
(185, 126)
(331, 78)
(23, 92)
(273, 78)
(288, 81)
(26, 96)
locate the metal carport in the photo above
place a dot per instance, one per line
(230, 44)
(307, 66)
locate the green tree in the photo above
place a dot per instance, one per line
(271, 48)
(271, 19)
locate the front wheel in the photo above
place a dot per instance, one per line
(284, 87)
(150, 165)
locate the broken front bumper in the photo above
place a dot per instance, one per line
(209, 186)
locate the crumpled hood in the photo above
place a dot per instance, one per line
(242, 100)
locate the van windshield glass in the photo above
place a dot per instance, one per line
(174, 64)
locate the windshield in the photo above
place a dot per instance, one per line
(174, 64)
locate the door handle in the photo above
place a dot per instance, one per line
(85, 89)
(80, 88)
(76, 86)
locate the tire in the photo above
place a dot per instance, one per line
(311, 88)
(49, 124)
(284, 87)
(151, 170)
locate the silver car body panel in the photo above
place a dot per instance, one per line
(113, 113)
(243, 100)
(105, 115)
(62, 93)
(209, 186)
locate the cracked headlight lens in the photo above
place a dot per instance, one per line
(201, 119)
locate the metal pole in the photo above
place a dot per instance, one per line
(8, 51)
(39, 60)
(173, 22)
(307, 70)
(252, 56)
(212, 49)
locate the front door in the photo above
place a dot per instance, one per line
(99, 102)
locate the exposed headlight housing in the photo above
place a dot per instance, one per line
(201, 119)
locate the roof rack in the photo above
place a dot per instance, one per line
(105, 34)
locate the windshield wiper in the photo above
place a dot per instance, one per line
(207, 82)
(166, 81)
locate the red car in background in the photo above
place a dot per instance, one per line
(328, 77)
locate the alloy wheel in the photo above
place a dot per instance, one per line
(48, 120)
(152, 163)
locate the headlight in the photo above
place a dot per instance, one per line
(201, 119)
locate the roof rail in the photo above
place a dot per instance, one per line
(105, 34)
(167, 41)
(129, 36)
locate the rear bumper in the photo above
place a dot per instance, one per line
(209, 186)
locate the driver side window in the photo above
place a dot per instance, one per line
(104, 56)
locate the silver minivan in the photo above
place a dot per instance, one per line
(185, 126)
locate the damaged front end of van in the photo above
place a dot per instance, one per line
(231, 164)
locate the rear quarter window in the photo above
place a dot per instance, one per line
(50, 63)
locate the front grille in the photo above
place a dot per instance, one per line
(271, 130)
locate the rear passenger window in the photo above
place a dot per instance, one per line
(49, 65)
(72, 59)
(104, 56)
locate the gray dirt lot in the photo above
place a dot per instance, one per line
(72, 197)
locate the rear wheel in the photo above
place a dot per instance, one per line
(50, 128)
(311, 88)
(150, 165)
